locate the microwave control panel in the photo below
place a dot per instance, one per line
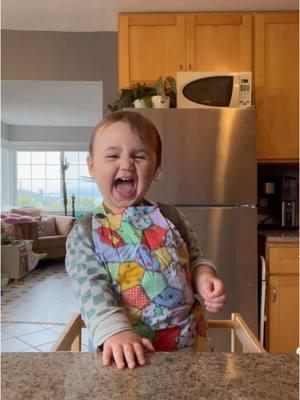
(245, 90)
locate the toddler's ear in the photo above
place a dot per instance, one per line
(90, 165)
(158, 175)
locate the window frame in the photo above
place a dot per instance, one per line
(39, 146)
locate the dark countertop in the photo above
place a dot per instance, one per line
(177, 375)
(280, 236)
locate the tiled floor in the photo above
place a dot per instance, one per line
(36, 309)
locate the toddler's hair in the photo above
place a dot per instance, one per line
(139, 124)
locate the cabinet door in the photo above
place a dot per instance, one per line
(218, 42)
(277, 85)
(150, 46)
(283, 315)
(283, 260)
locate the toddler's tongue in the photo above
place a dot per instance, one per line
(124, 188)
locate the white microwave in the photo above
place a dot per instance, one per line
(214, 89)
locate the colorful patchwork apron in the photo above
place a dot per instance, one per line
(148, 263)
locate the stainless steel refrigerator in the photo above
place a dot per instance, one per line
(209, 173)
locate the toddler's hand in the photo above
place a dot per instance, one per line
(211, 289)
(126, 347)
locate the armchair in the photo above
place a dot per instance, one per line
(54, 243)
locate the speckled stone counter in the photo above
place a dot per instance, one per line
(177, 375)
(279, 236)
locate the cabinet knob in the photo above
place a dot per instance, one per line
(180, 67)
(190, 67)
(274, 294)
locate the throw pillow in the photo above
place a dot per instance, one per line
(47, 226)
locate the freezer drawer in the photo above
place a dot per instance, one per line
(209, 156)
(228, 236)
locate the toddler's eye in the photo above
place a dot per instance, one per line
(140, 157)
(111, 156)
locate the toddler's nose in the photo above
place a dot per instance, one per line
(126, 164)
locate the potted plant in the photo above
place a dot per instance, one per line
(138, 95)
(141, 95)
(165, 93)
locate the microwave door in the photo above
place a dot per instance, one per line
(235, 98)
(213, 91)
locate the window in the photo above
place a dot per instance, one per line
(7, 175)
(40, 182)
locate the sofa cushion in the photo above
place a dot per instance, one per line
(51, 242)
(17, 219)
(33, 212)
(64, 224)
(47, 226)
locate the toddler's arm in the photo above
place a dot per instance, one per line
(210, 288)
(204, 272)
(106, 322)
(92, 287)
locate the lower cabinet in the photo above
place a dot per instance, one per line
(283, 298)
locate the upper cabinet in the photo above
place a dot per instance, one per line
(151, 45)
(218, 42)
(277, 85)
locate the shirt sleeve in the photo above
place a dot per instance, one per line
(92, 286)
(197, 256)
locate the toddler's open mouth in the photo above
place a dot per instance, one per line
(125, 187)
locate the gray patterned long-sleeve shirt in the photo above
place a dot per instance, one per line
(92, 283)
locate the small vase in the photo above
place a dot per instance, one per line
(161, 101)
(139, 103)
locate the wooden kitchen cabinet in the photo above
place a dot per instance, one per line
(154, 45)
(277, 86)
(282, 298)
(150, 46)
(219, 42)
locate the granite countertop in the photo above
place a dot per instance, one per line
(177, 375)
(280, 236)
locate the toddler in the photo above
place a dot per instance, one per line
(135, 265)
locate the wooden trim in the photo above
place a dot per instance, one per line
(282, 17)
(190, 40)
(246, 336)
(278, 161)
(152, 19)
(221, 323)
(246, 42)
(280, 244)
(70, 339)
(259, 59)
(123, 51)
(181, 25)
(218, 18)
(240, 329)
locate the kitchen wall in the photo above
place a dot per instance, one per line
(50, 134)
(5, 131)
(83, 56)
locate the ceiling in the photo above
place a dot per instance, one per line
(101, 15)
(51, 103)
